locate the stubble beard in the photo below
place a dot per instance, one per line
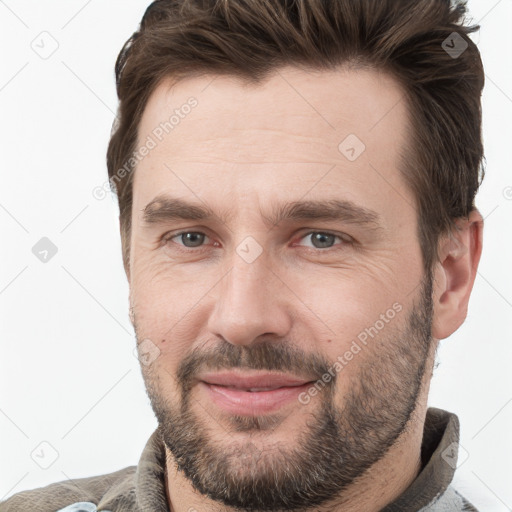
(337, 444)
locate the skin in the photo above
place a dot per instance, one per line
(241, 150)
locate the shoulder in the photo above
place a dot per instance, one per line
(449, 501)
(59, 495)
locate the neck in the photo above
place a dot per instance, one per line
(388, 478)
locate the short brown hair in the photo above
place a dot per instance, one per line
(409, 39)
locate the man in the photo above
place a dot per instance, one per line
(296, 182)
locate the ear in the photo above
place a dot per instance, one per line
(454, 274)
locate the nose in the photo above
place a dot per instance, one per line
(250, 303)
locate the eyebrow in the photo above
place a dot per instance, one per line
(165, 208)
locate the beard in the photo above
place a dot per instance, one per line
(338, 443)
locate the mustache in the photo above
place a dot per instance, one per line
(265, 355)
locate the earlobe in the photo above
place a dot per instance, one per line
(454, 275)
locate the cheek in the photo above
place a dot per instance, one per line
(342, 304)
(169, 297)
(356, 316)
(154, 289)
(167, 308)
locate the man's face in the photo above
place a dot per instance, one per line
(261, 292)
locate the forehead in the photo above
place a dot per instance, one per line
(298, 131)
(318, 104)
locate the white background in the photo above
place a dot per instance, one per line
(67, 370)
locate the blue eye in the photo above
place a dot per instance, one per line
(321, 240)
(195, 238)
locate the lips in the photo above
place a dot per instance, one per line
(252, 394)
(255, 382)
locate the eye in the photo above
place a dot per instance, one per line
(325, 240)
(189, 239)
(185, 240)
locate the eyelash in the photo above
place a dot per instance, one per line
(344, 238)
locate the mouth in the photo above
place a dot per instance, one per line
(252, 394)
